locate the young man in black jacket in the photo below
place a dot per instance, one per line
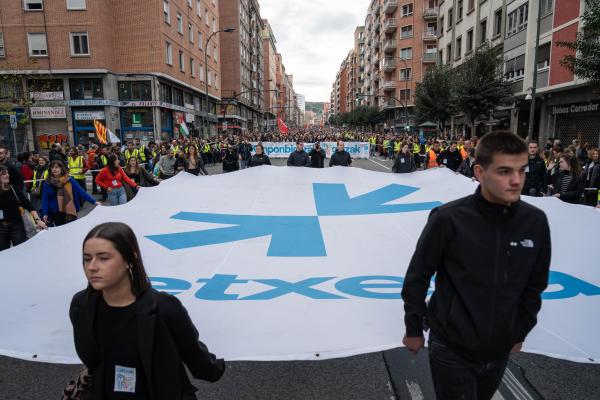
(490, 253)
(535, 173)
(317, 156)
(341, 157)
(299, 158)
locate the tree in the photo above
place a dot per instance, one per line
(434, 100)
(585, 60)
(479, 85)
(362, 116)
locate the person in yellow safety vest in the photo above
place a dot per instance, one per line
(141, 149)
(77, 168)
(130, 152)
(386, 144)
(432, 155)
(397, 147)
(373, 145)
(174, 148)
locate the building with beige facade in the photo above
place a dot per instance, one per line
(137, 67)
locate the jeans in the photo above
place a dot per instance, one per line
(11, 232)
(456, 378)
(243, 164)
(117, 197)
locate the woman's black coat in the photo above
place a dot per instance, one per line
(167, 339)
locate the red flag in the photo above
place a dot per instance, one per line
(283, 129)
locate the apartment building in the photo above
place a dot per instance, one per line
(270, 93)
(400, 43)
(242, 65)
(565, 108)
(137, 68)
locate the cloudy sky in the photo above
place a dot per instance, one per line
(314, 37)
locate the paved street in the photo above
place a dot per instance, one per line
(393, 374)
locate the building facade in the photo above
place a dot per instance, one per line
(270, 92)
(83, 60)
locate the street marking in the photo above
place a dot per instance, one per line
(381, 165)
(515, 387)
(497, 396)
(414, 390)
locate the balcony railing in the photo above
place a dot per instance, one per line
(389, 65)
(389, 85)
(406, 34)
(390, 25)
(430, 35)
(390, 6)
(429, 57)
(390, 45)
(430, 13)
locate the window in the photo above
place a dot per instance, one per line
(79, 44)
(405, 74)
(543, 57)
(471, 5)
(37, 44)
(2, 53)
(200, 40)
(210, 78)
(169, 53)
(192, 67)
(33, 5)
(450, 18)
(86, 89)
(517, 20)
(514, 70)
(190, 33)
(178, 97)
(190, 3)
(215, 53)
(199, 8)
(406, 53)
(179, 23)
(135, 91)
(483, 31)
(407, 32)
(498, 22)
(449, 53)
(206, 16)
(441, 32)
(407, 10)
(201, 68)
(165, 93)
(214, 25)
(405, 94)
(76, 5)
(459, 10)
(181, 61)
(458, 48)
(546, 6)
(469, 40)
(166, 12)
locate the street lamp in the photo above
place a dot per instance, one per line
(227, 30)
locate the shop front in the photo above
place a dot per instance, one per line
(137, 123)
(84, 131)
(577, 121)
(49, 127)
(14, 139)
(166, 124)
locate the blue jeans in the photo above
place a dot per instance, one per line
(455, 378)
(117, 197)
(243, 164)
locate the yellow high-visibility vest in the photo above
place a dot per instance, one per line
(128, 154)
(35, 179)
(76, 167)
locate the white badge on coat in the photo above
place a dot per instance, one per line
(445, 161)
(124, 379)
(402, 161)
(114, 182)
(1, 214)
(527, 169)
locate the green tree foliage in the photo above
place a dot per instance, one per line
(585, 60)
(434, 100)
(362, 116)
(479, 86)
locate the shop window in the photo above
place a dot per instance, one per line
(165, 93)
(11, 90)
(84, 89)
(135, 91)
(178, 97)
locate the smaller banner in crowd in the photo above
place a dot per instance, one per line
(284, 149)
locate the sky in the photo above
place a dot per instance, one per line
(314, 37)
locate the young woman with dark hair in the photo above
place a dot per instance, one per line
(133, 339)
(61, 196)
(193, 163)
(139, 175)
(111, 178)
(568, 183)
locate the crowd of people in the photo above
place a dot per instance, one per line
(53, 187)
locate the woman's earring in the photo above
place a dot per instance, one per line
(130, 272)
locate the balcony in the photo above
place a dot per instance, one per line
(388, 105)
(431, 13)
(377, 25)
(390, 25)
(430, 35)
(389, 86)
(429, 57)
(389, 65)
(376, 8)
(390, 6)
(390, 45)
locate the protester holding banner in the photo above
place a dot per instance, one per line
(298, 158)
(259, 158)
(112, 178)
(317, 156)
(16, 179)
(133, 339)
(341, 157)
(62, 195)
(490, 253)
(405, 161)
(194, 162)
(230, 158)
(139, 175)
(568, 183)
(12, 203)
(166, 164)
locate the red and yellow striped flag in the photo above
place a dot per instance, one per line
(100, 131)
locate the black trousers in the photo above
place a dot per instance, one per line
(455, 378)
(11, 233)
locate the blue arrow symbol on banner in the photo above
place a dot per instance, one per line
(290, 236)
(332, 199)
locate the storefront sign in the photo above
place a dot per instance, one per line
(189, 117)
(47, 95)
(140, 103)
(189, 106)
(92, 103)
(576, 108)
(89, 115)
(48, 112)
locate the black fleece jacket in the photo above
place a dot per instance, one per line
(491, 264)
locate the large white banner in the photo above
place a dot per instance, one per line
(277, 263)
(284, 149)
